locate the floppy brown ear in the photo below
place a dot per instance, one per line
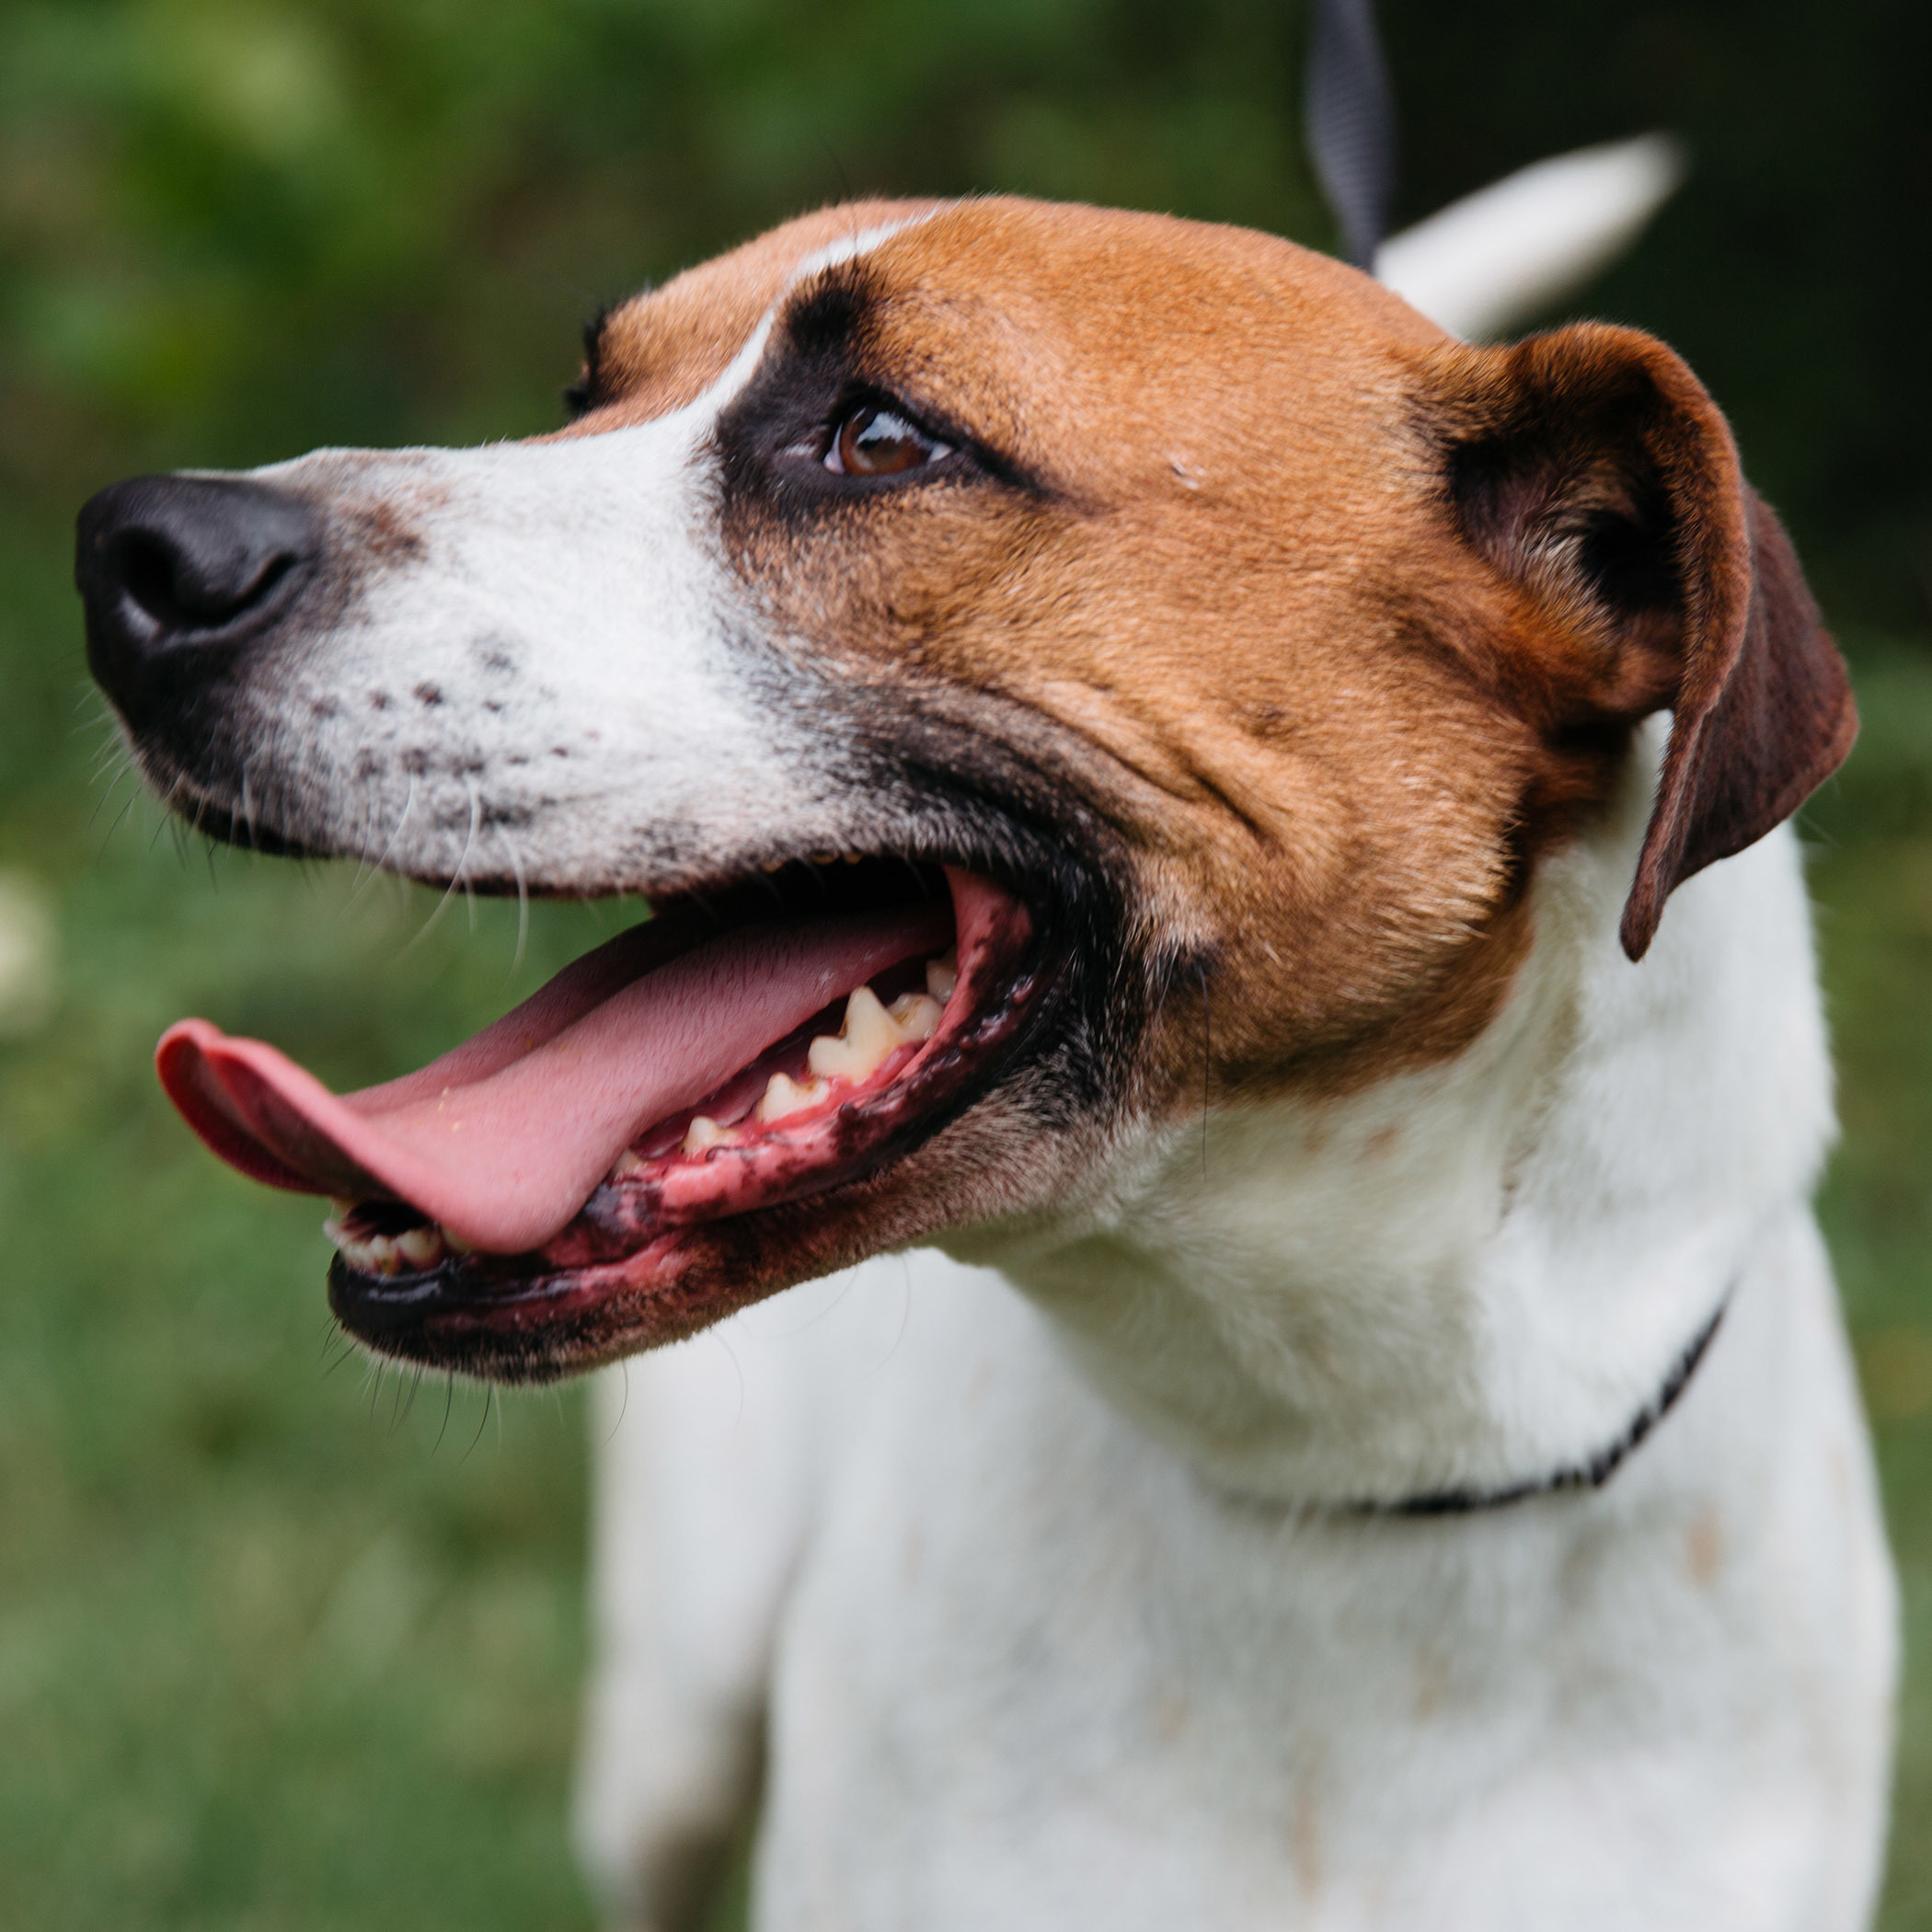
(1595, 471)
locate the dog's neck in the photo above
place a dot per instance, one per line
(1475, 1278)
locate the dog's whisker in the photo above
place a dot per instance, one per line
(246, 810)
(1207, 1066)
(120, 818)
(101, 803)
(523, 898)
(168, 820)
(380, 869)
(489, 1394)
(372, 807)
(475, 819)
(456, 879)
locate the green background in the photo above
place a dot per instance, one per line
(284, 1645)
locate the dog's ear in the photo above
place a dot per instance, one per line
(1590, 466)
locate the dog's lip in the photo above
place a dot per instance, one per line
(634, 1237)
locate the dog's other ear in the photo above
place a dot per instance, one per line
(1591, 467)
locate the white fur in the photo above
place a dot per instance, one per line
(564, 644)
(1061, 1641)
(850, 248)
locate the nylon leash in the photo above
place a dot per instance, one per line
(1349, 120)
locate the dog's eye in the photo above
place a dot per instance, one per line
(875, 441)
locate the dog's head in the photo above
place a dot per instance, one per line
(1163, 621)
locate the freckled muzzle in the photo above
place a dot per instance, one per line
(696, 1070)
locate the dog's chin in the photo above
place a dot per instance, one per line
(528, 1322)
(813, 1150)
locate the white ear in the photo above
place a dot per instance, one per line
(1514, 249)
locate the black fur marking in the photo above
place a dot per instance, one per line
(587, 392)
(821, 364)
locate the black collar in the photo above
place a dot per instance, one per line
(1591, 1474)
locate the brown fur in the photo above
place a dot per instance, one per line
(659, 350)
(1297, 605)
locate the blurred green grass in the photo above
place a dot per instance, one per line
(1871, 872)
(280, 1643)
(281, 1646)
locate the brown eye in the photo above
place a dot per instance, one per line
(872, 442)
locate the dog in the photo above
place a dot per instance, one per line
(1257, 831)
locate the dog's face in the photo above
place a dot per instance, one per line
(1166, 619)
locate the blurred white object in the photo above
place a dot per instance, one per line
(27, 956)
(1512, 251)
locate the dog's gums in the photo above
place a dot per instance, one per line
(874, 1045)
(691, 1070)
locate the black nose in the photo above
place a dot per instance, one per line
(171, 568)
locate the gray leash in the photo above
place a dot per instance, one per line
(1349, 119)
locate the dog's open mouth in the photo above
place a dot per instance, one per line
(773, 1041)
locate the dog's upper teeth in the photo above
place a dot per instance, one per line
(942, 975)
(783, 1095)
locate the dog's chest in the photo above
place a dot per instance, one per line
(1035, 1675)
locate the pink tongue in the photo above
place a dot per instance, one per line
(503, 1139)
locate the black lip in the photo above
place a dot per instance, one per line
(536, 1316)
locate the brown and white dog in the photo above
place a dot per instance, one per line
(1153, 764)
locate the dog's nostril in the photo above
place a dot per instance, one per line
(179, 591)
(145, 567)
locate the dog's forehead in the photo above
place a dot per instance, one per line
(1143, 285)
(663, 349)
(1001, 304)
(1062, 331)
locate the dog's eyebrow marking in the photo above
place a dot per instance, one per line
(587, 392)
(851, 247)
(825, 315)
(823, 319)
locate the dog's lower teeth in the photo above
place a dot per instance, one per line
(865, 1040)
(785, 1096)
(410, 1252)
(917, 1017)
(869, 1035)
(873, 1031)
(421, 1246)
(704, 1132)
